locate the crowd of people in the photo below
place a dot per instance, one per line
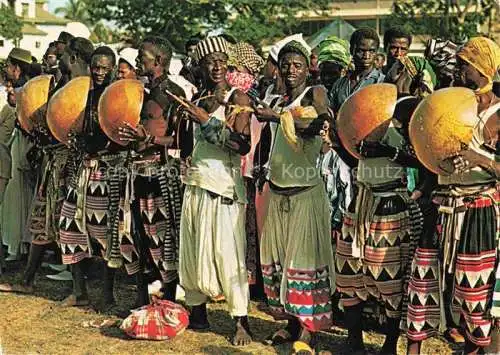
(242, 177)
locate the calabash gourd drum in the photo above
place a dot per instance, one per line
(66, 110)
(442, 125)
(366, 114)
(120, 103)
(31, 102)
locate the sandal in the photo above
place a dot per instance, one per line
(301, 348)
(281, 336)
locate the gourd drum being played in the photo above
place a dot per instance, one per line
(120, 103)
(366, 114)
(442, 125)
(31, 102)
(66, 110)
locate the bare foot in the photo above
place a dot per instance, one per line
(73, 301)
(16, 288)
(242, 335)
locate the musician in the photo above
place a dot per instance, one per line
(296, 249)
(212, 242)
(157, 182)
(467, 230)
(89, 223)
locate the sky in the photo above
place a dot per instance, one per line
(53, 4)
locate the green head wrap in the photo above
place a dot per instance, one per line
(336, 50)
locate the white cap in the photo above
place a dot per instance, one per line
(129, 55)
(275, 50)
(78, 29)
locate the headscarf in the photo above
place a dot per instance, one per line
(483, 54)
(211, 45)
(275, 50)
(296, 47)
(420, 66)
(442, 56)
(244, 54)
(334, 49)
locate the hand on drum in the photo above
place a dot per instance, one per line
(375, 150)
(465, 160)
(128, 133)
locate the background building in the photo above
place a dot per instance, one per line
(357, 13)
(40, 27)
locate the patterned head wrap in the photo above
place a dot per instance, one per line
(244, 54)
(419, 66)
(483, 54)
(334, 49)
(211, 45)
(442, 56)
(296, 47)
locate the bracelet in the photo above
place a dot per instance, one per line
(395, 155)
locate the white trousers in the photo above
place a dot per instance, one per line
(212, 251)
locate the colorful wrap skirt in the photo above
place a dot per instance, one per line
(466, 247)
(380, 232)
(50, 193)
(92, 219)
(159, 191)
(297, 258)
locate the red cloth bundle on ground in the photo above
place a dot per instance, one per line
(160, 320)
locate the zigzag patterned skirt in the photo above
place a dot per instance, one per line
(388, 236)
(88, 229)
(50, 193)
(467, 247)
(159, 191)
(297, 258)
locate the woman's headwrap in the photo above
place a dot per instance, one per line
(336, 50)
(296, 47)
(211, 45)
(442, 56)
(483, 54)
(244, 54)
(418, 66)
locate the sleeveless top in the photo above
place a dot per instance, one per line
(379, 171)
(214, 168)
(476, 175)
(289, 168)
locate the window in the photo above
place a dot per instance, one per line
(26, 8)
(1, 43)
(38, 44)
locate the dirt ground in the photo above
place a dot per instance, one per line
(35, 324)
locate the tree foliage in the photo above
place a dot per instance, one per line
(10, 24)
(247, 20)
(269, 19)
(452, 19)
(75, 10)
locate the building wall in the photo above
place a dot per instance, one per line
(20, 5)
(37, 44)
(5, 47)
